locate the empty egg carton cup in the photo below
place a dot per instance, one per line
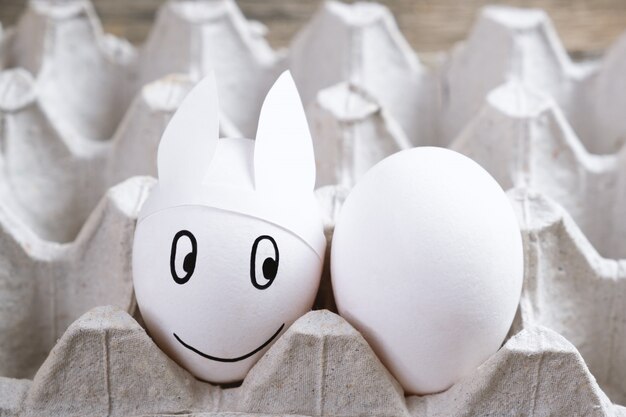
(524, 140)
(61, 230)
(371, 62)
(573, 290)
(46, 285)
(64, 45)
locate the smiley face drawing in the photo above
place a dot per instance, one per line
(229, 245)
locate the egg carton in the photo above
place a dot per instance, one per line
(523, 138)
(320, 366)
(63, 43)
(573, 290)
(352, 63)
(64, 222)
(359, 99)
(53, 181)
(85, 81)
(58, 242)
(46, 285)
(352, 132)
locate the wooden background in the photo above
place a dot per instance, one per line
(585, 26)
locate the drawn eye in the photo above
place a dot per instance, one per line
(263, 262)
(183, 256)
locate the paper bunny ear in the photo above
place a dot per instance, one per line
(189, 140)
(283, 152)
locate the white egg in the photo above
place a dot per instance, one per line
(427, 263)
(229, 245)
(245, 281)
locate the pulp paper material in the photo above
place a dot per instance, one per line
(198, 37)
(53, 181)
(523, 139)
(536, 372)
(357, 48)
(504, 44)
(351, 132)
(105, 364)
(13, 394)
(361, 44)
(508, 43)
(45, 286)
(320, 367)
(601, 121)
(83, 75)
(570, 288)
(64, 46)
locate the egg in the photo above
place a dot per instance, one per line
(427, 263)
(229, 245)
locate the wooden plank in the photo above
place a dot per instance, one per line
(429, 25)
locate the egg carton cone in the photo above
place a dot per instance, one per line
(359, 45)
(321, 366)
(523, 139)
(82, 73)
(45, 286)
(53, 181)
(195, 37)
(58, 237)
(507, 43)
(353, 132)
(573, 290)
(64, 46)
(74, 128)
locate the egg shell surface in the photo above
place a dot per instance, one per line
(219, 311)
(427, 263)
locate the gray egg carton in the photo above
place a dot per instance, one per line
(106, 364)
(523, 139)
(322, 367)
(86, 112)
(380, 84)
(80, 112)
(63, 43)
(103, 103)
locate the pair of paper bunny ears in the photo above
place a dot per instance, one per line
(283, 152)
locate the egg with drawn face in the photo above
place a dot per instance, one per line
(229, 246)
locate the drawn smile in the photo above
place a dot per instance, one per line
(240, 358)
